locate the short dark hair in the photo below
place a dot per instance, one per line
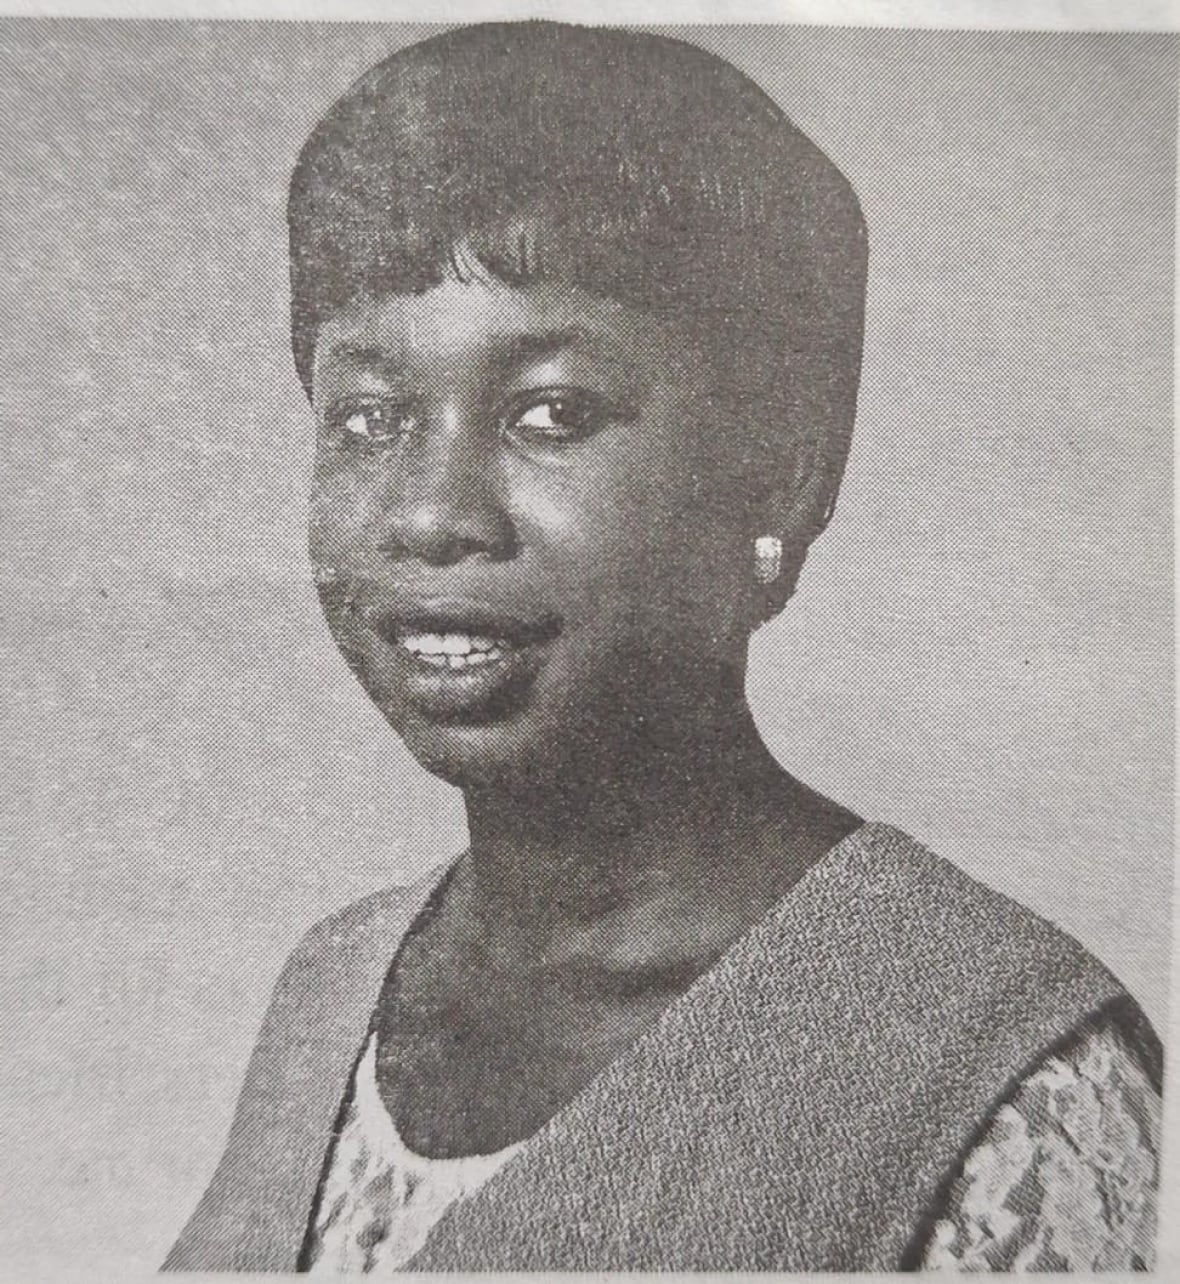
(634, 165)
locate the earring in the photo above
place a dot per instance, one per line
(768, 558)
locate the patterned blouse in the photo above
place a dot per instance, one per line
(1064, 1176)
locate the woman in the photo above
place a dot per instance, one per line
(579, 315)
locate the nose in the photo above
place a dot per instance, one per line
(445, 503)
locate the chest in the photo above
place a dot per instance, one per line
(471, 1058)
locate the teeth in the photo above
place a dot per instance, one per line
(447, 643)
(472, 660)
(454, 650)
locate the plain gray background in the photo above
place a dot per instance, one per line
(980, 652)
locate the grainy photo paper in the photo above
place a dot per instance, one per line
(588, 660)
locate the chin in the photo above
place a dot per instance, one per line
(492, 755)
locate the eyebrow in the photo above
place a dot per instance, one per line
(521, 349)
(512, 350)
(358, 354)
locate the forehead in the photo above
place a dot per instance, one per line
(490, 321)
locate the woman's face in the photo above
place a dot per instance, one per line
(532, 526)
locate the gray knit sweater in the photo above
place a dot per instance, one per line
(801, 1107)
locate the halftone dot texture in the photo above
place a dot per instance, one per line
(980, 649)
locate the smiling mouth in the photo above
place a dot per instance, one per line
(464, 661)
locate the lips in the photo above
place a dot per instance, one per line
(463, 660)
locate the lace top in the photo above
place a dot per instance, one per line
(1064, 1176)
(379, 1198)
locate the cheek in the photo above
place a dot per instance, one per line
(597, 532)
(695, 524)
(340, 514)
(644, 534)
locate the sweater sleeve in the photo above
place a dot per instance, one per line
(1065, 1176)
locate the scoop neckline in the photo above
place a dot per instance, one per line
(367, 1065)
(436, 881)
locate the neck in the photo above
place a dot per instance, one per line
(670, 815)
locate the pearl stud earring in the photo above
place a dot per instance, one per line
(768, 558)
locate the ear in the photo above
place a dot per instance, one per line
(802, 499)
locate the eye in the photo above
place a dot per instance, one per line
(563, 415)
(358, 423)
(370, 423)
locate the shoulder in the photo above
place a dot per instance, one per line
(250, 1215)
(899, 867)
(924, 998)
(928, 913)
(963, 983)
(329, 982)
(331, 976)
(347, 934)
